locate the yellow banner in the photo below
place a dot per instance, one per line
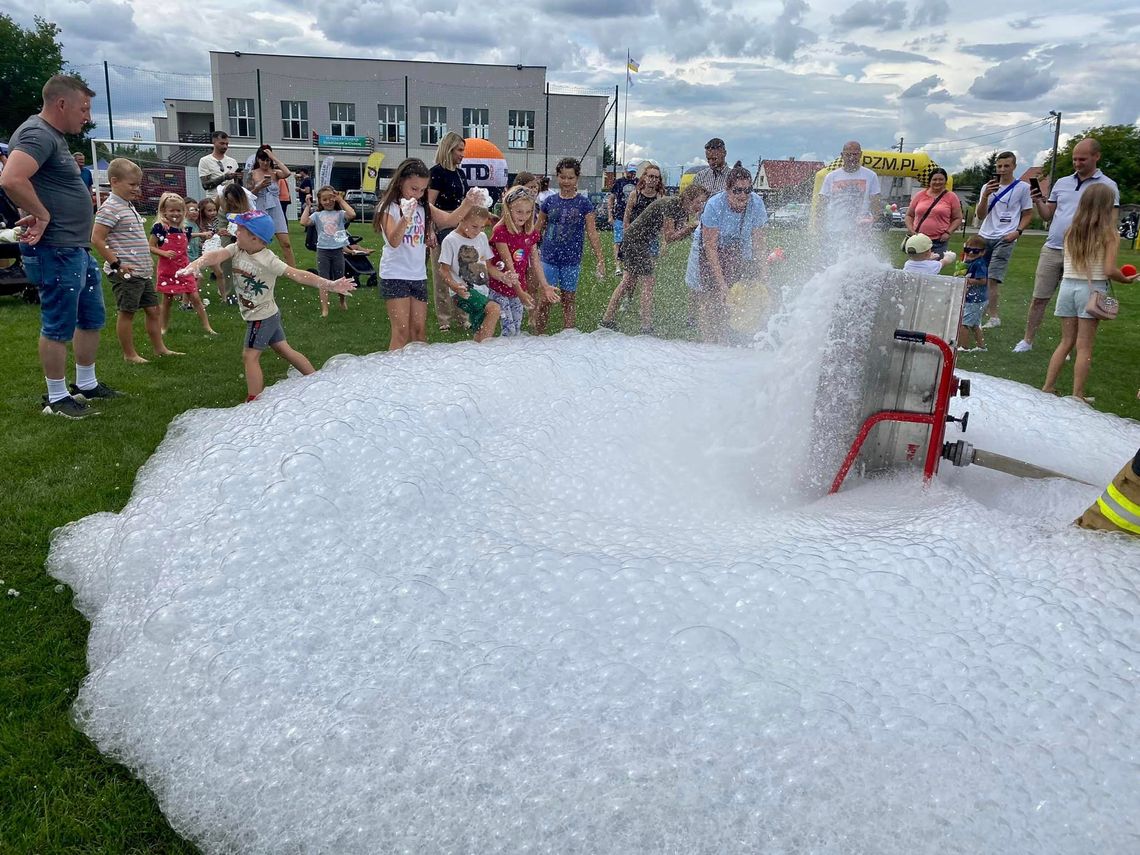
(372, 171)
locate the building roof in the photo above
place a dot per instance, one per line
(789, 173)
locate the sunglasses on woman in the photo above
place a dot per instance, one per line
(741, 191)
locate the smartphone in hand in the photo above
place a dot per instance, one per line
(1034, 187)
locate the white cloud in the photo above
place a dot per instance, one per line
(1014, 80)
(766, 76)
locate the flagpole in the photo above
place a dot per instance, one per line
(625, 120)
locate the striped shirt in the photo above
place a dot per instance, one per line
(125, 234)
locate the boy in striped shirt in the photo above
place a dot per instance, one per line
(120, 238)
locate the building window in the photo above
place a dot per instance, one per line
(520, 132)
(295, 120)
(476, 123)
(243, 119)
(342, 120)
(433, 125)
(393, 124)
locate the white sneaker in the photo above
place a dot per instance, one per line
(1022, 347)
(992, 324)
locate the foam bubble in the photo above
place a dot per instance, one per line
(572, 595)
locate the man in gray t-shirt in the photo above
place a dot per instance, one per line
(43, 180)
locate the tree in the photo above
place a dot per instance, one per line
(973, 177)
(1119, 157)
(607, 155)
(131, 151)
(27, 59)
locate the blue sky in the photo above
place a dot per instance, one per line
(774, 79)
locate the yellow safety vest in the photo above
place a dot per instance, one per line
(1118, 508)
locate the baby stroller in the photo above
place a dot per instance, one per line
(357, 265)
(13, 280)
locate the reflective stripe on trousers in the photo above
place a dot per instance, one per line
(1117, 507)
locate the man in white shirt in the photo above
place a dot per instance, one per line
(214, 170)
(850, 192)
(1059, 210)
(1005, 209)
(217, 167)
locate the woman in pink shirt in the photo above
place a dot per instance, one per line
(934, 211)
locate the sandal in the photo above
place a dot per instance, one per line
(610, 325)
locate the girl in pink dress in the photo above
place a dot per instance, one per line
(169, 238)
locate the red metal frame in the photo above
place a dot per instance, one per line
(947, 387)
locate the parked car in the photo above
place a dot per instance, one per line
(363, 202)
(898, 217)
(792, 214)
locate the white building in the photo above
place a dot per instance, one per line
(352, 107)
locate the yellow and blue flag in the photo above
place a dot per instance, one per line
(631, 68)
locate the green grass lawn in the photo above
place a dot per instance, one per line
(58, 793)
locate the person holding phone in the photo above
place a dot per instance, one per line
(1059, 210)
(1005, 209)
(214, 170)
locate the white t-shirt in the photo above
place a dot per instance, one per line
(210, 168)
(1004, 214)
(932, 266)
(467, 259)
(848, 195)
(1067, 194)
(254, 278)
(406, 260)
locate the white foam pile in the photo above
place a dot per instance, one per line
(562, 595)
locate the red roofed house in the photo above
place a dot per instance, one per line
(789, 180)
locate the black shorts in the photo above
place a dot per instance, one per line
(397, 289)
(637, 259)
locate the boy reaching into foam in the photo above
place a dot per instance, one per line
(256, 270)
(920, 258)
(466, 265)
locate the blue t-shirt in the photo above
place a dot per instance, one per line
(565, 229)
(620, 191)
(85, 174)
(979, 268)
(733, 226)
(330, 226)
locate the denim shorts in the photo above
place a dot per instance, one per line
(972, 314)
(619, 230)
(398, 289)
(70, 286)
(1074, 296)
(564, 277)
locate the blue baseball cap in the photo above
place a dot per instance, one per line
(631, 167)
(259, 223)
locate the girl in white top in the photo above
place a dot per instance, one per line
(1091, 244)
(406, 223)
